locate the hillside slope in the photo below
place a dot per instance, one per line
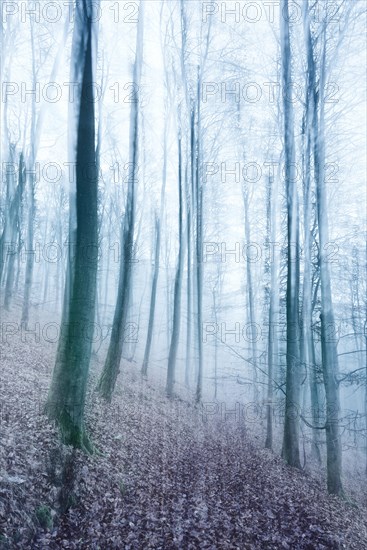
(163, 478)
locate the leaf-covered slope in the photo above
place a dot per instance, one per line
(163, 478)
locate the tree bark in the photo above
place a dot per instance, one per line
(290, 449)
(14, 221)
(328, 343)
(158, 228)
(111, 369)
(66, 400)
(171, 368)
(273, 312)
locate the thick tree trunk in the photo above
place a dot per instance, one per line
(66, 400)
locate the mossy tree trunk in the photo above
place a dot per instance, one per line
(66, 400)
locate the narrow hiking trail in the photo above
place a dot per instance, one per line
(162, 479)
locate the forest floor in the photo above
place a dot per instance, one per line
(164, 478)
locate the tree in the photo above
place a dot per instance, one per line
(171, 367)
(250, 293)
(14, 222)
(107, 381)
(328, 342)
(290, 449)
(272, 210)
(307, 302)
(158, 234)
(66, 400)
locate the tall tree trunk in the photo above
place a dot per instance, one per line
(107, 278)
(250, 295)
(365, 389)
(31, 195)
(172, 356)
(5, 237)
(158, 227)
(66, 400)
(14, 219)
(30, 258)
(111, 369)
(328, 343)
(307, 292)
(199, 241)
(153, 297)
(215, 311)
(290, 449)
(307, 337)
(189, 302)
(273, 311)
(190, 213)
